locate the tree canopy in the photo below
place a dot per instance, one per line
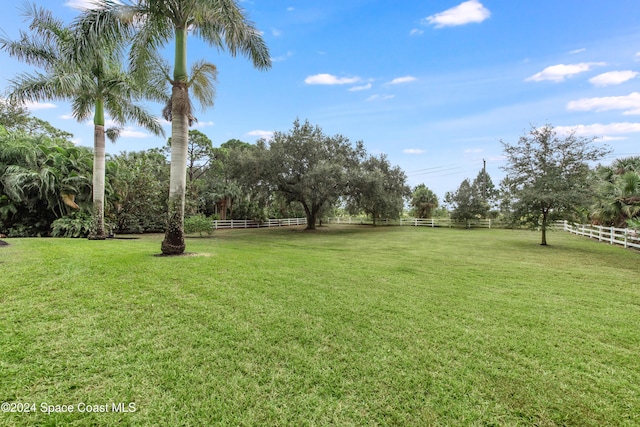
(308, 167)
(547, 176)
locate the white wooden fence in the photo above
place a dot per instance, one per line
(614, 236)
(247, 223)
(625, 237)
(417, 222)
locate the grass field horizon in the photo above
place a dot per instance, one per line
(349, 325)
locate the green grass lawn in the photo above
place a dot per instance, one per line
(345, 326)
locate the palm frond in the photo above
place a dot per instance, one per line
(226, 26)
(203, 76)
(113, 133)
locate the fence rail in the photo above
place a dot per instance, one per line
(625, 237)
(614, 236)
(247, 223)
(417, 222)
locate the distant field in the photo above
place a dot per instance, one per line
(344, 326)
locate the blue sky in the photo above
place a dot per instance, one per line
(434, 84)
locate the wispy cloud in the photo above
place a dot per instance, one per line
(33, 106)
(291, 9)
(414, 151)
(203, 124)
(468, 12)
(613, 78)
(377, 97)
(573, 52)
(328, 79)
(473, 150)
(630, 103)
(400, 80)
(276, 32)
(130, 132)
(282, 57)
(604, 131)
(358, 88)
(66, 117)
(558, 73)
(416, 32)
(266, 134)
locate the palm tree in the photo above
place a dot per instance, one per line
(618, 190)
(152, 23)
(90, 76)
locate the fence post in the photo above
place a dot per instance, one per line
(625, 237)
(611, 236)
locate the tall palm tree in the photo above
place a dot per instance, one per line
(152, 24)
(89, 75)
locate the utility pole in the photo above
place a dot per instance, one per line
(484, 179)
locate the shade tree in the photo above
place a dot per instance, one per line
(548, 176)
(377, 188)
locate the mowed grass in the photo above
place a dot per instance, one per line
(345, 326)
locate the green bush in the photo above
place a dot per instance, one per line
(634, 223)
(198, 224)
(74, 225)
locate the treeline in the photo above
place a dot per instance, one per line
(548, 177)
(46, 181)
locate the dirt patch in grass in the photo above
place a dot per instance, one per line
(3, 243)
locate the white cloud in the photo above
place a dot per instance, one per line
(473, 150)
(377, 97)
(358, 88)
(291, 9)
(76, 141)
(630, 103)
(557, 73)
(613, 78)
(328, 79)
(573, 52)
(414, 151)
(471, 11)
(637, 56)
(416, 32)
(129, 132)
(604, 131)
(266, 134)
(66, 117)
(203, 124)
(405, 79)
(275, 32)
(33, 106)
(282, 57)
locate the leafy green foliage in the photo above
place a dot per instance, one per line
(74, 225)
(137, 188)
(307, 166)
(617, 189)
(548, 176)
(41, 179)
(423, 201)
(198, 224)
(377, 189)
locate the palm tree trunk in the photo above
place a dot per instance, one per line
(173, 243)
(97, 228)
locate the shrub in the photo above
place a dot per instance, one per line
(198, 224)
(74, 225)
